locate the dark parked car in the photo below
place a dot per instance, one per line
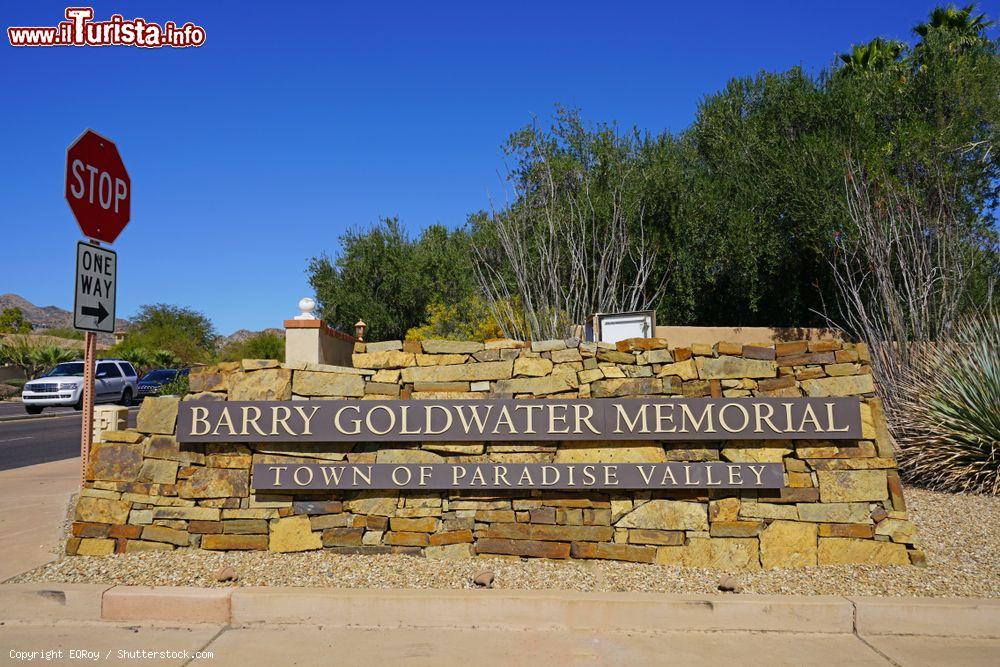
(151, 382)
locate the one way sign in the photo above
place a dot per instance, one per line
(94, 302)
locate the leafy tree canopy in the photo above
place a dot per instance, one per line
(186, 334)
(746, 206)
(387, 278)
(265, 345)
(12, 321)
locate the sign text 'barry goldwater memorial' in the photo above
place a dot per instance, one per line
(519, 420)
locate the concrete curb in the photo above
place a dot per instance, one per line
(57, 602)
(945, 617)
(508, 610)
(181, 604)
(43, 416)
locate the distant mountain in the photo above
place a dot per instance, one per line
(48, 317)
(243, 334)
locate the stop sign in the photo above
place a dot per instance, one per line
(98, 188)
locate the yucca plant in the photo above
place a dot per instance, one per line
(949, 415)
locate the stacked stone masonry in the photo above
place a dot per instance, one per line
(842, 501)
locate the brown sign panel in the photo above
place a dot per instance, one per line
(509, 420)
(512, 476)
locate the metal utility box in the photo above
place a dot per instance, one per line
(613, 327)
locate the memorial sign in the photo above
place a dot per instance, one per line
(518, 420)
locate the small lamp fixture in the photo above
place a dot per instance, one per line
(359, 331)
(307, 306)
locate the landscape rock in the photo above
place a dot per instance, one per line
(667, 515)
(488, 370)
(293, 534)
(584, 451)
(685, 370)
(844, 486)
(532, 367)
(484, 580)
(451, 347)
(383, 359)
(115, 462)
(215, 483)
(726, 367)
(529, 548)
(272, 384)
(540, 386)
(158, 414)
(728, 584)
(839, 551)
(839, 386)
(234, 542)
(309, 383)
(624, 552)
(102, 510)
(788, 544)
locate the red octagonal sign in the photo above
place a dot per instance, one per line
(98, 188)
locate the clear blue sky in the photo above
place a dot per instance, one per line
(296, 121)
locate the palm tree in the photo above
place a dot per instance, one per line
(966, 27)
(48, 356)
(139, 357)
(163, 359)
(23, 352)
(876, 55)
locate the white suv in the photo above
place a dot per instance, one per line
(115, 381)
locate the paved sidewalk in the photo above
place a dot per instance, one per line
(33, 503)
(289, 626)
(318, 645)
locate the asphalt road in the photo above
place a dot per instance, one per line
(25, 442)
(16, 409)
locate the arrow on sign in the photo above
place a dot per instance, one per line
(99, 312)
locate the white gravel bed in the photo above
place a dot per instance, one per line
(959, 533)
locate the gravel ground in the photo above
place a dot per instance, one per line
(959, 533)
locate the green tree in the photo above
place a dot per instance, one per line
(31, 357)
(45, 357)
(748, 205)
(765, 161)
(264, 345)
(183, 332)
(386, 278)
(877, 54)
(964, 26)
(12, 321)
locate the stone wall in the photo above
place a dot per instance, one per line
(842, 501)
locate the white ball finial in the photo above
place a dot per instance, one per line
(307, 306)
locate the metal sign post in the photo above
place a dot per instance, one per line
(87, 427)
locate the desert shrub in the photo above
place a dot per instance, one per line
(179, 386)
(469, 319)
(949, 415)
